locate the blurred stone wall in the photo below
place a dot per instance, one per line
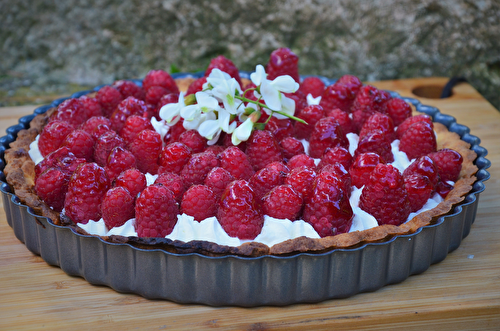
(47, 44)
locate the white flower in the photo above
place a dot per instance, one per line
(287, 107)
(172, 110)
(242, 132)
(272, 91)
(212, 128)
(259, 75)
(224, 88)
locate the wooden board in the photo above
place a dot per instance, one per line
(462, 292)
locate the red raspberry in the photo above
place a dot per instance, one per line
(262, 149)
(86, 191)
(282, 202)
(280, 128)
(379, 122)
(61, 159)
(155, 93)
(419, 190)
(81, 144)
(375, 142)
(146, 147)
(91, 106)
(173, 182)
(342, 174)
(200, 202)
(71, 111)
(301, 180)
(226, 142)
(424, 166)
(174, 157)
(117, 207)
(174, 132)
(448, 163)
(53, 135)
(327, 133)
(290, 147)
(362, 167)
(264, 180)
(217, 179)
(109, 97)
(283, 62)
(385, 197)
(51, 186)
(238, 213)
(155, 212)
(224, 64)
(129, 89)
(91, 126)
(343, 118)
(160, 78)
(193, 140)
(280, 166)
(311, 115)
(398, 109)
(103, 146)
(328, 209)
(197, 85)
(341, 94)
(236, 163)
(300, 161)
(418, 140)
(410, 121)
(132, 126)
(128, 107)
(313, 86)
(443, 188)
(300, 100)
(368, 101)
(334, 155)
(133, 180)
(119, 160)
(197, 168)
(216, 149)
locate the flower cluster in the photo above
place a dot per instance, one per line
(222, 103)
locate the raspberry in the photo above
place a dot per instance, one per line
(385, 197)
(133, 180)
(91, 106)
(334, 155)
(280, 128)
(379, 122)
(300, 161)
(200, 202)
(132, 126)
(128, 107)
(146, 147)
(410, 121)
(174, 157)
(71, 111)
(168, 98)
(368, 101)
(362, 167)
(197, 168)
(341, 94)
(224, 64)
(216, 149)
(311, 115)
(51, 186)
(173, 182)
(217, 179)
(398, 109)
(280, 166)
(236, 163)
(196, 85)
(155, 212)
(91, 126)
(418, 140)
(300, 101)
(86, 191)
(290, 147)
(375, 142)
(283, 62)
(343, 118)
(117, 207)
(264, 180)
(108, 97)
(129, 89)
(53, 135)
(327, 133)
(160, 78)
(448, 163)
(119, 160)
(81, 144)
(328, 209)
(238, 213)
(62, 159)
(419, 190)
(226, 142)
(443, 188)
(155, 93)
(282, 202)
(340, 173)
(174, 132)
(193, 140)
(313, 86)
(103, 146)
(262, 149)
(301, 180)
(424, 166)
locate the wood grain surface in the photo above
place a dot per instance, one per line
(460, 293)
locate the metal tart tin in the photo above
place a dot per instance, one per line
(240, 281)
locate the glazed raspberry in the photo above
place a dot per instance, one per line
(133, 180)
(334, 155)
(280, 128)
(313, 86)
(264, 180)
(173, 182)
(327, 133)
(282, 202)
(217, 179)
(262, 149)
(375, 142)
(290, 147)
(300, 101)
(410, 121)
(155, 212)
(236, 163)
(160, 78)
(238, 213)
(368, 101)
(193, 140)
(311, 115)
(127, 107)
(385, 197)
(86, 191)
(61, 159)
(283, 62)
(418, 140)
(362, 167)
(53, 135)
(226, 142)
(280, 166)
(174, 157)
(343, 118)
(174, 132)
(146, 147)
(91, 126)
(168, 98)
(301, 180)
(200, 202)
(398, 109)
(224, 64)
(103, 146)
(197, 168)
(119, 160)
(197, 85)
(379, 122)
(81, 144)
(443, 188)
(132, 126)
(51, 186)
(71, 111)
(117, 207)
(301, 160)
(340, 173)
(216, 149)
(128, 88)
(448, 163)
(341, 94)
(419, 190)
(327, 209)
(108, 97)
(424, 166)
(91, 106)
(155, 93)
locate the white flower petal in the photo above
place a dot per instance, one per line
(169, 111)
(287, 107)
(259, 75)
(190, 112)
(285, 84)
(270, 95)
(242, 132)
(209, 129)
(206, 102)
